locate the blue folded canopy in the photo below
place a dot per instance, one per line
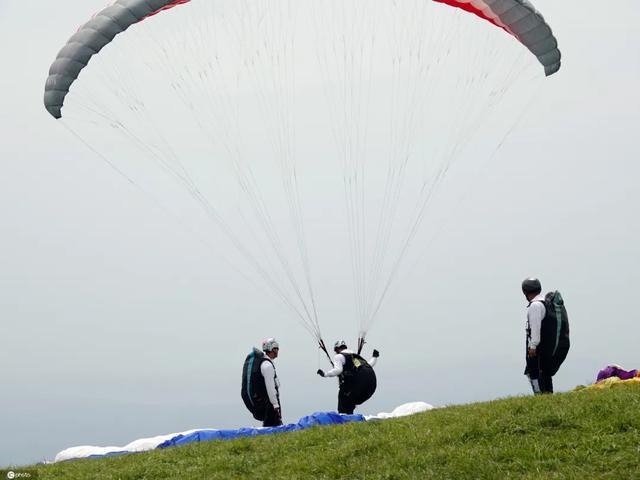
(318, 418)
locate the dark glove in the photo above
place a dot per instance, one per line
(320, 372)
(279, 413)
(376, 353)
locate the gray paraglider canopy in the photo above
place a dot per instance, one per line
(520, 19)
(90, 39)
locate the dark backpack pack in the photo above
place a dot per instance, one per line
(554, 334)
(358, 380)
(353, 363)
(254, 391)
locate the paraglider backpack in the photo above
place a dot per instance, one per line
(353, 363)
(254, 391)
(554, 332)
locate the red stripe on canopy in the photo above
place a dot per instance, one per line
(175, 3)
(470, 8)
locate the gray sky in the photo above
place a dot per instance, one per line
(118, 324)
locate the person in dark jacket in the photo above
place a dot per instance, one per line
(357, 378)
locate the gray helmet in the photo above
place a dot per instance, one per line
(531, 285)
(340, 344)
(270, 344)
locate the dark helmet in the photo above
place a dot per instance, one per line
(531, 285)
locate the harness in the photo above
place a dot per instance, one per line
(353, 362)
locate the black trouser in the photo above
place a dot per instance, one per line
(546, 383)
(540, 382)
(272, 418)
(345, 400)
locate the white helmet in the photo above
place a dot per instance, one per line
(340, 344)
(269, 344)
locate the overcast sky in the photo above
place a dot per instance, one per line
(117, 324)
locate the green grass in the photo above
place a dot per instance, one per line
(581, 435)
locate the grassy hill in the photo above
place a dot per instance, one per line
(581, 435)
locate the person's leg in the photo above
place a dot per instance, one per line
(345, 405)
(546, 383)
(271, 417)
(535, 385)
(533, 374)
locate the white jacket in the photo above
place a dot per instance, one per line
(271, 381)
(535, 314)
(339, 361)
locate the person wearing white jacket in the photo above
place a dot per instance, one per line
(273, 415)
(536, 311)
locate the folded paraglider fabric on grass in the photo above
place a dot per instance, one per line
(202, 435)
(318, 418)
(613, 376)
(402, 411)
(616, 371)
(612, 382)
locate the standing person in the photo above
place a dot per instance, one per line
(260, 384)
(273, 412)
(356, 375)
(547, 332)
(536, 311)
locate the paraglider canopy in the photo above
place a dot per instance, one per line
(523, 21)
(518, 17)
(90, 39)
(261, 111)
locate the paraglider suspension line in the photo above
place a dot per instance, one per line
(323, 347)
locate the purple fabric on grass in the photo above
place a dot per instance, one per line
(615, 371)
